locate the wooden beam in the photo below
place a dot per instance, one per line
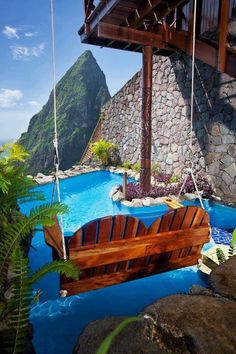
(129, 35)
(203, 51)
(144, 10)
(224, 15)
(146, 120)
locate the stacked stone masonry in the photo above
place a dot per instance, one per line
(214, 126)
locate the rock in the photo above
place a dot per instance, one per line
(62, 176)
(127, 203)
(190, 196)
(40, 175)
(118, 196)
(231, 170)
(222, 279)
(113, 191)
(148, 201)
(137, 202)
(158, 201)
(131, 340)
(194, 324)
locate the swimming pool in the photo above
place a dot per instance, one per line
(58, 322)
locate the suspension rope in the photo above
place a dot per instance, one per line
(56, 187)
(190, 151)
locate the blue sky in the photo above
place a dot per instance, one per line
(25, 60)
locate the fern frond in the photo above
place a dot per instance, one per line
(15, 233)
(232, 247)
(18, 304)
(220, 256)
(60, 266)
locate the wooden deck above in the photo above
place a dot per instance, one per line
(165, 25)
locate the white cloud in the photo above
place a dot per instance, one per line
(9, 98)
(31, 34)
(10, 32)
(23, 52)
(33, 103)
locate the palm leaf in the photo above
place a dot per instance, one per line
(60, 266)
(15, 233)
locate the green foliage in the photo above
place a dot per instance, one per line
(232, 247)
(174, 179)
(220, 256)
(16, 279)
(136, 167)
(106, 343)
(102, 150)
(155, 168)
(22, 297)
(127, 165)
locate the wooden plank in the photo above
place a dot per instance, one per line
(105, 228)
(129, 35)
(224, 15)
(173, 204)
(133, 248)
(118, 227)
(198, 217)
(166, 222)
(75, 287)
(53, 237)
(178, 219)
(188, 219)
(154, 228)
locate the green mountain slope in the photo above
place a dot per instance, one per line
(80, 95)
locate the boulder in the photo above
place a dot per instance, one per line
(131, 340)
(113, 191)
(222, 279)
(118, 196)
(194, 324)
(158, 201)
(190, 196)
(127, 203)
(137, 202)
(148, 201)
(40, 175)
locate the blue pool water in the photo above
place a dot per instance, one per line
(58, 322)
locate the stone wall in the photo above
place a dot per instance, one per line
(214, 126)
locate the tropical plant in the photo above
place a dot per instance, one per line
(16, 279)
(102, 151)
(155, 168)
(231, 252)
(136, 167)
(127, 165)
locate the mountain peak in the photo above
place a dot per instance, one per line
(81, 93)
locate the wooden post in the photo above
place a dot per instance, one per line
(125, 185)
(224, 15)
(146, 122)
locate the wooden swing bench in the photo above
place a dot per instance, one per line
(116, 249)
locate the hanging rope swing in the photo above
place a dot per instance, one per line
(56, 187)
(189, 169)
